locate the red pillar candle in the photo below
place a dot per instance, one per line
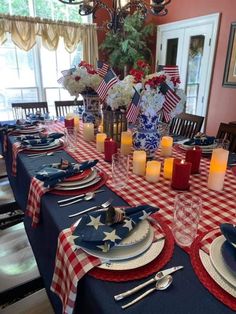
(69, 123)
(194, 156)
(110, 148)
(181, 175)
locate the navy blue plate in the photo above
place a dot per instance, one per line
(229, 255)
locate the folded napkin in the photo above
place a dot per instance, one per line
(202, 140)
(229, 231)
(36, 116)
(95, 230)
(40, 140)
(57, 172)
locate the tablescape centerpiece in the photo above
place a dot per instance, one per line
(146, 98)
(83, 80)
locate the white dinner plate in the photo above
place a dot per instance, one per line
(136, 235)
(126, 252)
(87, 179)
(218, 261)
(30, 130)
(141, 260)
(52, 145)
(78, 187)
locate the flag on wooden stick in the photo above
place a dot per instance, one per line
(102, 68)
(134, 108)
(108, 81)
(171, 101)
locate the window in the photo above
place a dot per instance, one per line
(32, 76)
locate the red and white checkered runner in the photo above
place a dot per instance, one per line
(16, 148)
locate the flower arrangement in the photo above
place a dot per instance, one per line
(149, 86)
(82, 79)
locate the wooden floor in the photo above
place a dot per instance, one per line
(36, 303)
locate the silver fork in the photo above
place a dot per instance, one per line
(102, 206)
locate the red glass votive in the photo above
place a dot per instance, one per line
(110, 148)
(194, 156)
(181, 175)
(69, 123)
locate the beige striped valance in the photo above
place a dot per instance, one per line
(24, 30)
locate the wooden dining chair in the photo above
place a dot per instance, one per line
(187, 125)
(228, 132)
(63, 107)
(21, 110)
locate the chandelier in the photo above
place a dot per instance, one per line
(120, 9)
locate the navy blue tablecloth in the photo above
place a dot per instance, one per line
(185, 295)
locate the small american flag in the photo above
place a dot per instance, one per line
(102, 68)
(108, 81)
(171, 70)
(134, 108)
(171, 101)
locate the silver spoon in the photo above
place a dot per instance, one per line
(88, 196)
(162, 284)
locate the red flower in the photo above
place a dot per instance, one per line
(137, 74)
(77, 78)
(142, 64)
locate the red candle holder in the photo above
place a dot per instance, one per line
(194, 156)
(110, 148)
(181, 175)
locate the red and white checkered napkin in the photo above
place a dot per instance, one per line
(70, 266)
(209, 238)
(16, 148)
(36, 191)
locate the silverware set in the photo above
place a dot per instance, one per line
(78, 198)
(162, 281)
(92, 209)
(42, 154)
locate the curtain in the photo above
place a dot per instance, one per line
(24, 30)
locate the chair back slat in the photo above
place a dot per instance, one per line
(63, 107)
(186, 125)
(228, 132)
(21, 110)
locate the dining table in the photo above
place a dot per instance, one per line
(193, 290)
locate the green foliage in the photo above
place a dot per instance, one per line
(124, 48)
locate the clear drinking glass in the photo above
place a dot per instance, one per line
(187, 212)
(70, 141)
(120, 170)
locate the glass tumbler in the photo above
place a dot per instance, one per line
(70, 135)
(187, 212)
(120, 170)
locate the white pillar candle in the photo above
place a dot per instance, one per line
(88, 131)
(100, 138)
(166, 146)
(126, 143)
(168, 168)
(153, 170)
(218, 167)
(139, 162)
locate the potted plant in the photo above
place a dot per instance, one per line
(124, 48)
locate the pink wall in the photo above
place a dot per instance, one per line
(222, 101)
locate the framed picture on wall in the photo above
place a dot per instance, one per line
(230, 65)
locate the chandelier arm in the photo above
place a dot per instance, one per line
(71, 2)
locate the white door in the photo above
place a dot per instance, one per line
(190, 44)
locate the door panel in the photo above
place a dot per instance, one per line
(190, 44)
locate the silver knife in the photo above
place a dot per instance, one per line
(77, 196)
(158, 276)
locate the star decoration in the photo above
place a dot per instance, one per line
(112, 236)
(105, 247)
(145, 215)
(128, 224)
(95, 222)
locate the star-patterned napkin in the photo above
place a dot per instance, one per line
(229, 231)
(57, 172)
(40, 140)
(202, 140)
(93, 231)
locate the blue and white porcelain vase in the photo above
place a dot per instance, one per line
(146, 137)
(92, 110)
